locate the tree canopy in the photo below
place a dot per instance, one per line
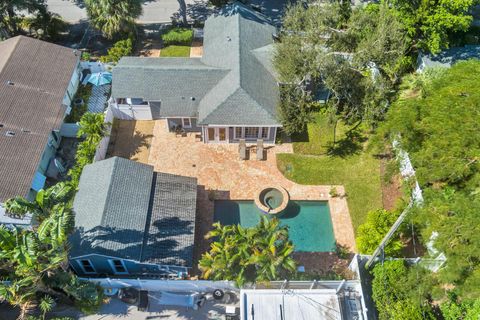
(358, 55)
(438, 123)
(248, 255)
(430, 23)
(114, 18)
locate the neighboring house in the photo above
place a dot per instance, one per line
(132, 221)
(37, 82)
(230, 93)
(447, 57)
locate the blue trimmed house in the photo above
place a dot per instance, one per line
(133, 222)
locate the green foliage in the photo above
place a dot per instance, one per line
(430, 23)
(453, 310)
(248, 255)
(11, 14)
(115, 18)
(46, 305)
(84, 93)
(92, 130)
(440, 130)
(359, 57)
(177, 36)
(45, 26)
(397, 294)
(120, 49)
(175, 51)
(86, 56)
(371, 233)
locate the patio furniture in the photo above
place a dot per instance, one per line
(179, 131)
(198, 137)
(260, 150)
(242, 149)
(100, 78)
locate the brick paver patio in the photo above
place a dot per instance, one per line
(222, 175)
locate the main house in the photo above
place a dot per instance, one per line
(228, 94)
(131, 221)
(37, 83)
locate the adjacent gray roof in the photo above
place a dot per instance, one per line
(448, 57)
(124, 209)
(233, 83)
(31, 106)
(173, 81)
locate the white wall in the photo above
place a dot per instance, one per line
(103, 145)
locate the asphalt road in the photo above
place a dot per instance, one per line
(154, 11)
(158, 11)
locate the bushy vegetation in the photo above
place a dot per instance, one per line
(84, 92)
(248, 255)
(371, 233)
(35, 260)
(438, 123)
(177, 36)
(120, 49)
(397, 292)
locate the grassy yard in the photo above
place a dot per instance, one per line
(175, 51)
(347, 164)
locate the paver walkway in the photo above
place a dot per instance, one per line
(222, 175)
(98, 99)
(131, 139)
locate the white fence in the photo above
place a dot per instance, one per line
(102, 148)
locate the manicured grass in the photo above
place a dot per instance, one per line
(175, 51)
(319, 137)
(348, 164)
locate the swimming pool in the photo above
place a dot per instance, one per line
(309, 222)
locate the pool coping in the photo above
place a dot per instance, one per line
(338, 207)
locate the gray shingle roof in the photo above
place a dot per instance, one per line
(40, 73)
(124, 209)
(237, 84)
(173, 81)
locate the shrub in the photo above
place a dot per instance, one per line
(120, 49)
(397, 294)
(371, 233)
(180, 36)
(86, 56)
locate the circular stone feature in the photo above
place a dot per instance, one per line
(272, 200)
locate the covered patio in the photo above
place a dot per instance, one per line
(222, 175)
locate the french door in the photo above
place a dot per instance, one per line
(217, 134)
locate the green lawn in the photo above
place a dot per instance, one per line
(175, 51)
(350, 165)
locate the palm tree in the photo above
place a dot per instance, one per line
(113, 17)
(261, 253)
(44, 201)
(92, 127)
(9, 12)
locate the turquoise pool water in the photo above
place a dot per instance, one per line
(309, 222)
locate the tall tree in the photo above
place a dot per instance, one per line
(10, 9)
(114, 18)
(430, 22)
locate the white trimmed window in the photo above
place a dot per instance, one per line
(186, 123)
(251, 132)
(238, 132)
(118, 266)
(264, 132)
(86, 266)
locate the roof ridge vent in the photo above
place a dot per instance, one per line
(10, 83)
(10, 134)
